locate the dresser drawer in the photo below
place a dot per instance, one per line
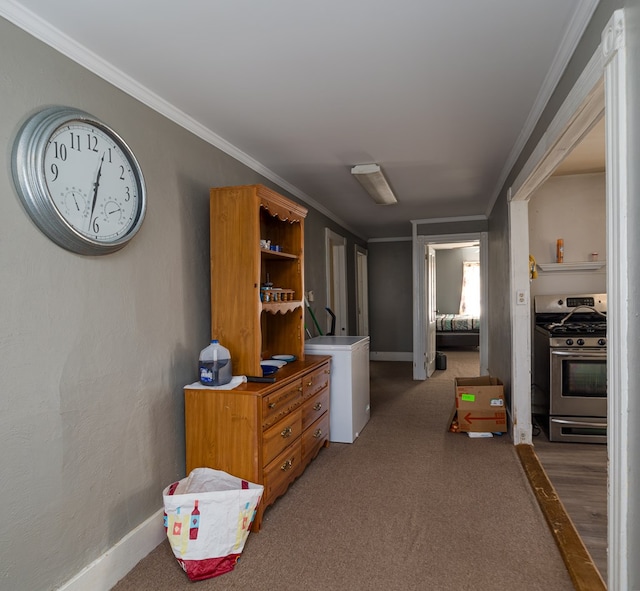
(281, 435)
(277, 405)
(282, 471)
(313, 408)
(314, 438)
(315, 381)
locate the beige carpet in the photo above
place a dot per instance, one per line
(408, 506)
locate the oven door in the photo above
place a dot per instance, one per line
(578, 383)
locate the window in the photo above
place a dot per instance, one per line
(470, 297)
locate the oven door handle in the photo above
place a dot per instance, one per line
(578, 423)
(580, 353)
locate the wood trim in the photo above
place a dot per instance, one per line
(582, 570)
(279, 206)
(622, 433)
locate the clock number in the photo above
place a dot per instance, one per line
(109, 158)
(75, 141)
(60, 151)
(92, 142)
(128, 197)
(95, 225)
(54, 171)
(121, 172)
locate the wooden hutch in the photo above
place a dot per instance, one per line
(266, 433)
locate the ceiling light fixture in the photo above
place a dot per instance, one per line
(371, 178)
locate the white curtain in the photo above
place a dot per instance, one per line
(470, 298)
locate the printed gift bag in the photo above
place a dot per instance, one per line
(207, 516)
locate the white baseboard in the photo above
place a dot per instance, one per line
(390, 356)
(104, 572)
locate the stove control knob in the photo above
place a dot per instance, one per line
(602, 342)
(569, 342)
(580, 342)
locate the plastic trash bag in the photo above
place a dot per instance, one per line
(207, 517)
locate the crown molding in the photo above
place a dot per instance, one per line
(45, 32)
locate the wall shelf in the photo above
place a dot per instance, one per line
(580, 266)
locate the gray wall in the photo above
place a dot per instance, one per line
(96, 350)
(390, 297)
(455, 227)
(391, 286)
(315, 270)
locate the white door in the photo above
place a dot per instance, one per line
(336, 247)
(362, 292)
(430, 312)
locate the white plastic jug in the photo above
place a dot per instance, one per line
(215, 365)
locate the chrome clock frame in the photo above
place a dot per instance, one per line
(28, 170)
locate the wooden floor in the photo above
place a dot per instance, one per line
(578, 472)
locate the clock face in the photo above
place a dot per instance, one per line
(91, 181)
(79, 181)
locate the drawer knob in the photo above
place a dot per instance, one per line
(318, 433)
(272, 405)
(300, 389)
(286, 432)
(310, 383)
(318, 406)
(286, 465)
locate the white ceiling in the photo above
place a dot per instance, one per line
(441, 94)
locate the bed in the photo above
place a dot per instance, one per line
(457, 330)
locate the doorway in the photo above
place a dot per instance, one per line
(571, 125)
(424, 307)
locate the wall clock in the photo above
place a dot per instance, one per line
(78, 181)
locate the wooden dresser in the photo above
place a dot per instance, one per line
(264, 433)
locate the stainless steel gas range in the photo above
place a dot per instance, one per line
(570, 366)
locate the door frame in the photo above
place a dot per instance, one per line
(362, 290)
(420, 341)
(336, 273)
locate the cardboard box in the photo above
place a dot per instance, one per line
(479, 406)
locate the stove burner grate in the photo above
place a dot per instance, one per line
(577, 328)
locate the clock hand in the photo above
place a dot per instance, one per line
(95, 188)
